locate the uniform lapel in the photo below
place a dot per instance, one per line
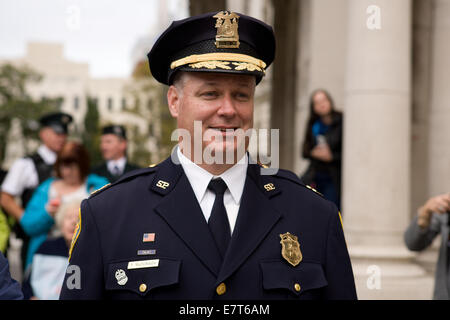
(180, 209)
(255, 219)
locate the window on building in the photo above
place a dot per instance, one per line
(150, 129)
(124, 103)
(76, 103)
(150, 105)
(110, 104)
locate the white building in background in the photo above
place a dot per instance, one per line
(71, 81)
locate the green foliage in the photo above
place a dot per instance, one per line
(15, 102)
(168, 125)
(157, 111)
(140, 155)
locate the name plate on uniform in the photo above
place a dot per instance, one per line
(143, 264)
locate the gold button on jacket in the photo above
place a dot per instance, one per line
(142, 287)
(221, 289)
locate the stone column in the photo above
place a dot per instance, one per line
(321, 58)
(284, 78)
(439, 120)
(376, 181)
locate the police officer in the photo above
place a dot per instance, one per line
(113, 146)
(192, 228)
(27, 173)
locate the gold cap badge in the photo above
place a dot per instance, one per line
(290, 248)
(227, 30)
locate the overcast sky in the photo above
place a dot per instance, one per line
(101, 33)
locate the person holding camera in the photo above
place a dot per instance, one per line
(433, 219)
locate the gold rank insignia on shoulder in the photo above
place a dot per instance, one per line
(100, 189)
(312, 189)
(269, 187)
(290, 248)
(76, 233)
(227, 30)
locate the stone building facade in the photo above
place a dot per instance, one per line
(386, 64)
(124, 101)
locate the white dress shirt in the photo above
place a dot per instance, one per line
(22, 174)
(199, 179)
(119, 163)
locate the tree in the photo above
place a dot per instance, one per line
(140, 154)
(91, 134)
(158, 111)
(16, 103)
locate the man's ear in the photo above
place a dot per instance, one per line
(43, 133)
(173, 99)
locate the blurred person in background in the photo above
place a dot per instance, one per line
(431, 220)
(46, 274)
(323, 146)
(27, 173)
(113, 146)
(9, 288)
(72, 181)
(4, 223)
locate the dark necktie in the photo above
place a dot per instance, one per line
(218, 221)
(116, 171)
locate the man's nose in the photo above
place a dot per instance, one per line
(227, 107)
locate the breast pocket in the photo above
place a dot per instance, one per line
(141, 278)
(303, 281)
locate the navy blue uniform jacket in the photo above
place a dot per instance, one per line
(160, 200)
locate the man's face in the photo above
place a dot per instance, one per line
(112, 147)
(222, 102)
(54, 141)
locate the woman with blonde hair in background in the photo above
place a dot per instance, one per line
(73, 181)
(47, 271)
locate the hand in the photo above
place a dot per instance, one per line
(322, 152)
(52, 206)
(439, 204)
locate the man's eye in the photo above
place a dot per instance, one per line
(242, 96)
(210, 94)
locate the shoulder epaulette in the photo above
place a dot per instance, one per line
(289, 175)
(128, 176)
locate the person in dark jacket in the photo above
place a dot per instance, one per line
(191, 228)
(113, 146)
(322, 145)
(9, 288)
(27, 173)
(432, 220)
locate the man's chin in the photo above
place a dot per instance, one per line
(222, 153)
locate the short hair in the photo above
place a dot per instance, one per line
(178, 79)
(62, 210)
(73, 152)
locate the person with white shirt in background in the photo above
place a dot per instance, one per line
(113, 146)
(27, 173)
